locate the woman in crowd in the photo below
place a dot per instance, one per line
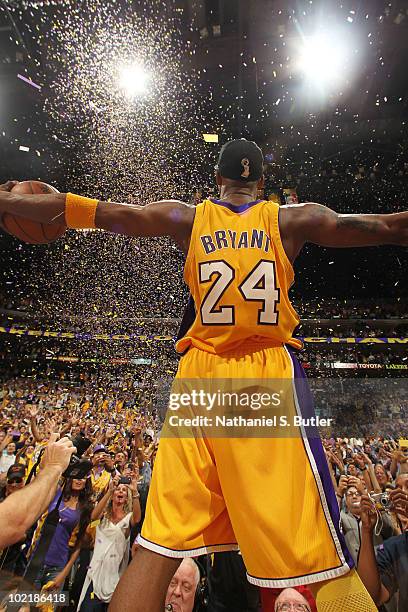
(74, 510)
(383, 478)
(119, 510)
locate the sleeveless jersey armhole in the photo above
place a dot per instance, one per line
(278, 242)
(196, 223)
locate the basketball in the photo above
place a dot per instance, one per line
(29, 231)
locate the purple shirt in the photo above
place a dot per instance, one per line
(58, 551)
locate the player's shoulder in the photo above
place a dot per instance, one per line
(296, 216)
(177, 216)
(299, 209)
(174, 209)
(172, 203)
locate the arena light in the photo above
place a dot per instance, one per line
(323, 59)
(133, 80)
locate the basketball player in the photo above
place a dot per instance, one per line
(271, 497)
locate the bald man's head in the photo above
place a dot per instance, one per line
(183, 586)
(291, 596)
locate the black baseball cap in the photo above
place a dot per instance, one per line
(16, 471)
(240, 160)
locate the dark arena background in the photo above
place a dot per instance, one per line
(130, 101)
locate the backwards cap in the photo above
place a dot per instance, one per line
(241, 160)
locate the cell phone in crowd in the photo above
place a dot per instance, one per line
(125, 480)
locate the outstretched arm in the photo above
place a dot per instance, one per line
(164, 218)
(310, 222)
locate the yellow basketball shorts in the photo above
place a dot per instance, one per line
(271, 498)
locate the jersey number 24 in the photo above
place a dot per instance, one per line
(258, 286)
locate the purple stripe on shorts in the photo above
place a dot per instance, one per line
(306, 406)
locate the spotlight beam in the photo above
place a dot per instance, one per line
(133, 80)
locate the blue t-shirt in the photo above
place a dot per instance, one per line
(58, 551)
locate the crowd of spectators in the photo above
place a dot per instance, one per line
(324, 308)
(100, 510)
(331, 328)
(371, 482)
(353, 403)
(117, 408)
(321, 356)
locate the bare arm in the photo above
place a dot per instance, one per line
(398, 459)
(100, 506)
(34, 430)
(99, 509)
(6, 441)
(33, 412)
(60, 578)
(23, 507)
(367, 564)
(66, 428)
(374, 482)
(367, 479)
(310, 222)
(330, 466)
(165, 218)
(136, 511)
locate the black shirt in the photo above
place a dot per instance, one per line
(392, 560)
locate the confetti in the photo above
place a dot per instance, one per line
(29, 81)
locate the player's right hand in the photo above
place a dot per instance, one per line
(8, 185)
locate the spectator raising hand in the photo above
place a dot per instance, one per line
(19, 511)
(113, 483)
(342, 486)
(32, 410)
(399, 462)
(57, 453)
(399, 500)
(355, 481)
(384, 573)
(368, 513)
(359, 461)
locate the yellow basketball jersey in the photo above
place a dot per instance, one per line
(239, 277)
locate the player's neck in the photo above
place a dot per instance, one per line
(237, 196)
